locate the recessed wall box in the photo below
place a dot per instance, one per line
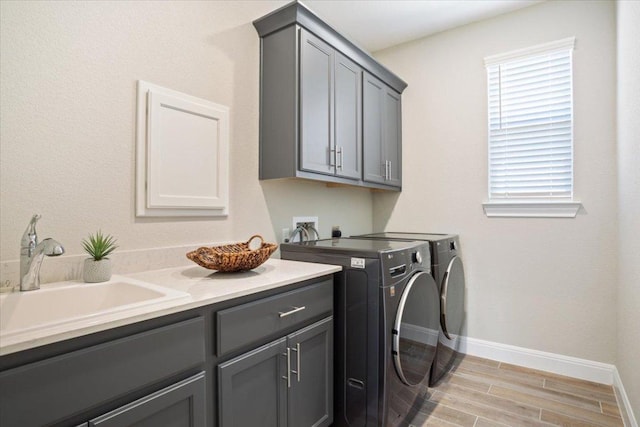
(182, 154)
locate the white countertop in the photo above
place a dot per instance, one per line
(202, 286)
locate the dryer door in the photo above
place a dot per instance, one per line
(452, 299)
(415, 333)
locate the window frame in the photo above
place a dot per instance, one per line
(564, 207)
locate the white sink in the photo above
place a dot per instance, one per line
(64, 302)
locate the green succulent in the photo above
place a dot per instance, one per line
(99, 245)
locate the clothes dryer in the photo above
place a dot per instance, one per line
(448, 272)
(386, 319)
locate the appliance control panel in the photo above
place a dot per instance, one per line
(396, 265)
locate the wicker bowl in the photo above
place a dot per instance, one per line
(233, 257)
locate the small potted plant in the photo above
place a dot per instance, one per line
(98, 267)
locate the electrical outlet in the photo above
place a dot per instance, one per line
(285, 235)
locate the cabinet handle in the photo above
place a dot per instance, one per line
(288, 376)
(386, 169)
(389, 170)
(298, 370)
(339, 156)
(333, 158)
(290, 312)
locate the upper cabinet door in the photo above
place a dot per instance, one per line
(316, 105)
(392, 136)
(382, 139)
(372, 124)
(348, 116)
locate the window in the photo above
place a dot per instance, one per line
(530, 104)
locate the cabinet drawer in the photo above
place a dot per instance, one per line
(248, 323)
(182, 404)
(71, 383)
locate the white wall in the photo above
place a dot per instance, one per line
(545, 284)
(628, 14)
(68, 79)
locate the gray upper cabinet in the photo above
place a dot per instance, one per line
(316, 105)
(330, 110)
(382, 127)
(312, 100)
(348, 117)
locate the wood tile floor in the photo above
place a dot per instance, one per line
(486, 393)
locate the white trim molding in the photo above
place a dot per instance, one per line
(603, 373)
(532, 209)
(550, 362)
(624, 403)
(543, 48)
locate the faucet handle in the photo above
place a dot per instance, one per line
(30, 236)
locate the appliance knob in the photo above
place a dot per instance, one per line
(417, 257)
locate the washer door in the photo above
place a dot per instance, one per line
(415, 334)
(452, 299)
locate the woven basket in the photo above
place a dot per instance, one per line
(234, 257)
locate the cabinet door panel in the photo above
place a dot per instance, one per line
(348, 116)
(372, 125)
(392, 138)
(180, 405)
(311, 392)
(252, 391)
(316, 105)
(381, 123)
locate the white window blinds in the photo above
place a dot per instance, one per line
(530, 123)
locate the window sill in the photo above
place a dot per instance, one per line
(532, 209)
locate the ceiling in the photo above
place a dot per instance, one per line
(378, 24)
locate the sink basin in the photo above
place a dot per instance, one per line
(64, 302)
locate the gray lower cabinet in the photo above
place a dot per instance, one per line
(251, 391)
(288, 382)
(382, 137)
(272, 354)
(68, 384)
(311, 375)
(180, 405)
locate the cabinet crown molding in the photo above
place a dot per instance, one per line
(296, 13)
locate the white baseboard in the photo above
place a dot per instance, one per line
(589, 370)
(550, 362)
(623, 401)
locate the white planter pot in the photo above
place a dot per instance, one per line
(96, 271)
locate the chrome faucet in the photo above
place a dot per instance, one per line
(32, 254)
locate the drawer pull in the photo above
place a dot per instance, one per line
(295, 310)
